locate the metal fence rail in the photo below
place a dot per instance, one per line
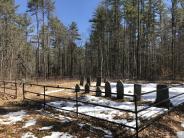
(76, 99)
(9, 90)
(138, 128)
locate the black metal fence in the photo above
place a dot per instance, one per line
(157, 104)
(44, 98)
(9, 88)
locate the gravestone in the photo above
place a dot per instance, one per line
(120, 90)
(98, 92)
(162, 96)
(89, 80)
(137, 91)
(81, 81)
(107, 89)
(87, 88)
(77, 88)
(98, 81)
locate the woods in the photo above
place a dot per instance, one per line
(129, 39)
(138, 39)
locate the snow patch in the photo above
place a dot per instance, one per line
(29, 123)
(180, 134)
(46, 128)
(59, 135)
(64, 119)
(108, 133)
(175, 91)
(151, 112)
(81, 125)
(28, 135)
(53, 91)
(12, 117)
(182, 124)
(94, 84)
(107, 113)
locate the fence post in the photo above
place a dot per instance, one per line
(4, 86)
(136, 116)
(77, 89)
(23, 90)
(44, 96)
(107, 89)
(16, 90)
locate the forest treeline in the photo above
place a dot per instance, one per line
(129, 39)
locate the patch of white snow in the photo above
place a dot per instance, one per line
(107, 113)
(29, 123)
(59, 135)
(53, 91)
(108, 133)
(12, 117)
(28, 135)
(180, 134)
(182, 124)
(46, 128)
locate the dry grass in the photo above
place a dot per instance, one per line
(167, 126)
(7, 100)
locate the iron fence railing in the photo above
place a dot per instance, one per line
(77, 100)
(9, 88)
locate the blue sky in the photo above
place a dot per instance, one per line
(80, 11)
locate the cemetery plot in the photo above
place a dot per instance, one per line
(133, 106)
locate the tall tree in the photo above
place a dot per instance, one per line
(73, 36)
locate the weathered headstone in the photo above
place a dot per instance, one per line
(98, 92)
(120, 90)
(87, 88)
(162, 96)
(137, 91)
(98, 81)
(107, 89)
(89, 80)
(77, 88)
(81, 81)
